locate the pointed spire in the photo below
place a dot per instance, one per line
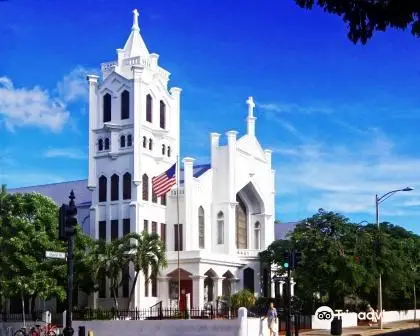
(135, 45)
(250, 120)
(135, 20)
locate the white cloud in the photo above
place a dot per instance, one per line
(70, 153)
(346, 177)
(292, 108)
(73, 86)
(30, 107)
(37, 107)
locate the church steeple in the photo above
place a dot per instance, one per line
(250, 120)
(135, 45)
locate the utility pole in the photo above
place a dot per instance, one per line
(67, 224)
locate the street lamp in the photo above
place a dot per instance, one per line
(379, 200)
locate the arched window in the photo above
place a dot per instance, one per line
(129, 140)
(249, 279)
(150, 144)
(107, 107)
(145, 182)
(162, 120)
(100, 144)
(201, 232)
(102, 189)
(163, 149)
(144, 142)
(257, 235)
(220, 227)
(169, 151)
(106, 143)
(115, 180)
(122, 141)
(125, 105)
(163, 199)
(241, 225)
(149, 102)
(127, 186)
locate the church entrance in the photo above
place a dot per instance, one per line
(241, 224)
(185, 285)
(249, 220)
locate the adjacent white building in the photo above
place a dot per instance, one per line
(226, 208)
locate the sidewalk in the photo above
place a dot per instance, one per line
(366, 330)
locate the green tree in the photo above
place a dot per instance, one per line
(368, 16)
(110, 258)
(148, 256)
(243, 298)
(28, 228)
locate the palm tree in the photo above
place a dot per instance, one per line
(110, 258)
(148, 256)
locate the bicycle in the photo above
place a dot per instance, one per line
(47, 330)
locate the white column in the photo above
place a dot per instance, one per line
(217, 287)
(292, 289)
(190, 238)
(198, 291)
(137, 104)
(281, 288)
(163, 290)
(243, 321)
(214, 141)
(93, 115)
(273, 289)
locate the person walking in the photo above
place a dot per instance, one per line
(272, 320)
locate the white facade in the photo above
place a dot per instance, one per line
(226, 209)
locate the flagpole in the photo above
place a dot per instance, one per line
(179, 238)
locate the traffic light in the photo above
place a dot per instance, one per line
(286, 260)
(296, 257)
(62, 216)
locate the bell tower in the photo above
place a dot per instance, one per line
(133, 134)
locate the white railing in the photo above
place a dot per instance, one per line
(248, 253)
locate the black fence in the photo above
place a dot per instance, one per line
(156, 313)
(299, 320)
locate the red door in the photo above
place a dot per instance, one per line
(186, 288)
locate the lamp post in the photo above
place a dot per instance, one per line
(379, 200)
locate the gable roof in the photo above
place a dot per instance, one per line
(250, 144)
(59, 192)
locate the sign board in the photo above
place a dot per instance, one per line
(55, 255)
(280, 278)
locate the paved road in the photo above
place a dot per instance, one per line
(409, 332)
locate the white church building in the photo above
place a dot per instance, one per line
(226, 208)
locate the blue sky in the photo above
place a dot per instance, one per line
(342, 119)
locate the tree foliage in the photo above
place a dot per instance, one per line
(28, 228)
(342, 260)
(364, 17)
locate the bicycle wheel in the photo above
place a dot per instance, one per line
(20, 332)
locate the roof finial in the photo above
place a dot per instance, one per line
(251, 106)
(135, 20)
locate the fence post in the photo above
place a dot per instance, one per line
(64, 317)
(243, 321)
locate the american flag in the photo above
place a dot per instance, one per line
(162, 183)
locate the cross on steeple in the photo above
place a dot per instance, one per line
(251, 106)
(135, 20)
